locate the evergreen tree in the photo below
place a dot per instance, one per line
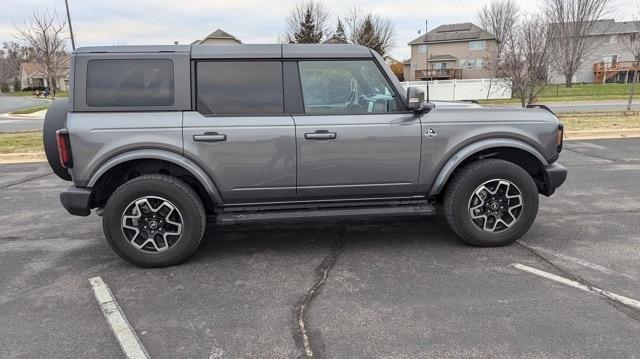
(340, 35)
(367, 35)
(307, 32)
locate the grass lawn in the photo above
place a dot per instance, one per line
(21, 142)
(578, 92)
(599, 121)
(30, 93)
(31, 109)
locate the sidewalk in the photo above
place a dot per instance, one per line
(39, 115)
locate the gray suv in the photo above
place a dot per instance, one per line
(159, 139)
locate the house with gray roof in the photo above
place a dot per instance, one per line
(452, 51)
(608, 58)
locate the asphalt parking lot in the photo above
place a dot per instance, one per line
(395, 288)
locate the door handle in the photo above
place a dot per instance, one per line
(320, 135)
(210, 137)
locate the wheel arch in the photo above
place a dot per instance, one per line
(518, 152)
(145, 161)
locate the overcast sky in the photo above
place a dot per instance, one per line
(133, 22)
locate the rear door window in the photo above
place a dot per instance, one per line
(239, 88)
(130, 82)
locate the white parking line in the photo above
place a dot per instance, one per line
(127, 338)
(580, 261)
(612, 296)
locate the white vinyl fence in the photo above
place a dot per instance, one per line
(456, 90)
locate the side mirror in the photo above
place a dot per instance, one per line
(415, 99)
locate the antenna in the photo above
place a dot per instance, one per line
(73, 42)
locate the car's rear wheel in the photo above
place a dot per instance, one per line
(491, 202)
(154, 221)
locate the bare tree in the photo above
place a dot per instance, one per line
(572, 21)
(308, 22)
(44, 32)
(370, 30)
(9, 66)
(12, 54)
(632, 43)
(499, 18)
(526, 58)
(352, 18)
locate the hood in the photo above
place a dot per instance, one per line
(455, 104)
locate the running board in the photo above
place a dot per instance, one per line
(423, 209)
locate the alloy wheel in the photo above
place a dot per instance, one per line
(496, 205)
(152, 224)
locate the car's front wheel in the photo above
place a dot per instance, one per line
(154, 221)
(491, 202)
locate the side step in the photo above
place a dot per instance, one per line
(423, 209)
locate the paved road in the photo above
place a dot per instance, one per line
(13, 103)
(11, 124)
(20, 124)
(403, 288)
(568, 107)
(592, 107)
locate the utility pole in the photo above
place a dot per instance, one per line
(73, 42)
(426, 49)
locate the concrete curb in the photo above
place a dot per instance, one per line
(7, 158)
(39, 115)
(602, 134)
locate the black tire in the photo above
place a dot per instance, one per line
(179, 194)
(53, 121)
(458, 197)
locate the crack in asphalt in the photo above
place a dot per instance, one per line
(25, 180)
(300, 328)
(629, 311)
(602, 157)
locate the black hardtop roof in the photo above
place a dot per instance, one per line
(132, 49)
(249, 51)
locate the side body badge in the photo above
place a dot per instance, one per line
(430, 133)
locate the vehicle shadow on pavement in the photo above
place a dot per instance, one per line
(285, 237)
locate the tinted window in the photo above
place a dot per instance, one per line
(240, 88)
(122, 83)
(345, 87)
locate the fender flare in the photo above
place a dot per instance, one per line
(155, 154)
(467, 151)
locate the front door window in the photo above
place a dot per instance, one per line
(347, 87)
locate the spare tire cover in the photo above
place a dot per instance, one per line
(54, 120)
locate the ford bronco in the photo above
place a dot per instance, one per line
(158, 139)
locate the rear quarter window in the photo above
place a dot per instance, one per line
(126, 83)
